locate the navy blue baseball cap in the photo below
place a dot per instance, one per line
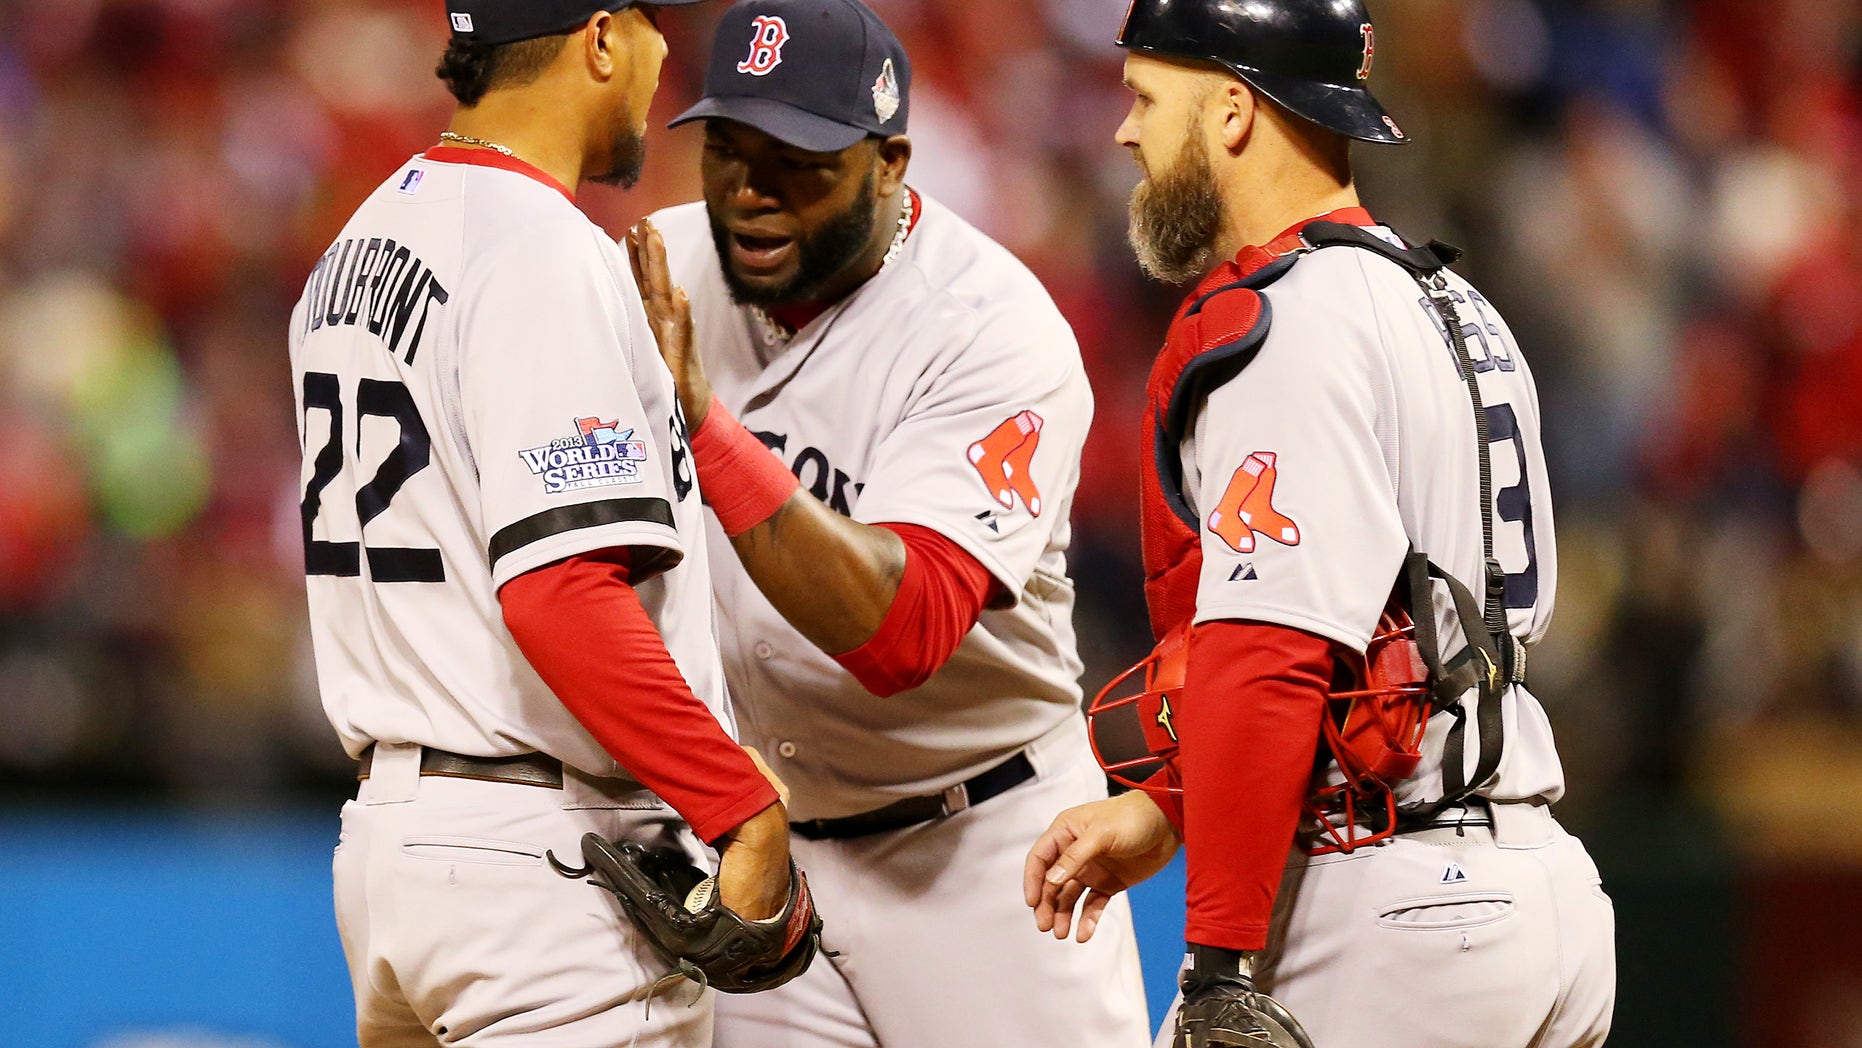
(817, 74)
(508, 21)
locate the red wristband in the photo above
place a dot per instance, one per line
(744, 483)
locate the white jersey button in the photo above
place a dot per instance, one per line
(785, 748)
(763, 650)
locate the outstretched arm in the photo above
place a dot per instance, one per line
(832, 578)
(890, 601)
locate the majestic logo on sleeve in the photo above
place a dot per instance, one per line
(1247, 507)
(886, 94)
(767, 35)
(1002, 459)
(602, 453)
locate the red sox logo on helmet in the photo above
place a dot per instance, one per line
(1370, 50)
(767, 35)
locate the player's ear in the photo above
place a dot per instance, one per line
(893, 155)
(1235, 107)
(601, 42)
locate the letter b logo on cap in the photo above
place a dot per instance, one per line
(767, 35)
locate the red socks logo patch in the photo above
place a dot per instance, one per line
(1247, 507)
(1002, 459)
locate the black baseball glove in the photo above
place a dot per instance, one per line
(1222, 1008)
(661, 891)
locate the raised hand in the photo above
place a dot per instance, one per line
(669, 314)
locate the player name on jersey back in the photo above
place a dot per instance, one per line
(376, 283)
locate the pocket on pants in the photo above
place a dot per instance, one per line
(1447, 912)
(472, 849)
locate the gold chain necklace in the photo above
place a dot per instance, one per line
(454, 136)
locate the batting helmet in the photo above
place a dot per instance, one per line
(1312, 57)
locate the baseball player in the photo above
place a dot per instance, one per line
(887, 416)
(1315, 414)
(506, 563)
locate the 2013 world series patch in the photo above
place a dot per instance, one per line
(601, 453)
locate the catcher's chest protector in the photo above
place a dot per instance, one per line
(1219, 328)
(1216, 334)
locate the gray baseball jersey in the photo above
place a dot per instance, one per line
(479, 395)
(945, 392)
(1353, 431)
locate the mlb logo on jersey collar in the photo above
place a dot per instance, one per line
(411, 182)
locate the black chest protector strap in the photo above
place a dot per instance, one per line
(1493, 657)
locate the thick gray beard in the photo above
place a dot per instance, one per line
(626, 160)
(1176, 217)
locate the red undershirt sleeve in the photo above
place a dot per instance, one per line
(941, 592)
(583, 628)
(1250, 727)
(1171, 804)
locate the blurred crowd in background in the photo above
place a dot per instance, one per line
(1662, 198)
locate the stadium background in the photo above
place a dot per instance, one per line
(1661, 196)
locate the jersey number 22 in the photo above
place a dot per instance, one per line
(411, 454)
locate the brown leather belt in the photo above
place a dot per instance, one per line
(525, 769)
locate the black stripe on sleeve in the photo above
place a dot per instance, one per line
(539, 526)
